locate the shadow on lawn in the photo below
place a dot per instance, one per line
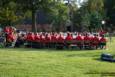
(99, 60)
(46, 50)
(94, 73)
(81, 55)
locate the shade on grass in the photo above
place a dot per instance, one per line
(22, 62)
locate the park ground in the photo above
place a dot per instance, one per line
(23, 62)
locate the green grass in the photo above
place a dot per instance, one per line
(22, 62)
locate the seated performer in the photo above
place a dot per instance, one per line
(30, 39)
(87, 41)
(60, 42)
(68, 39)
(102, 42)
(95, 42)
(79, 41)
(11, 39)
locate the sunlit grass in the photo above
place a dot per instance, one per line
(22, 62)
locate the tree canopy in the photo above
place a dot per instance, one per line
(89, 16)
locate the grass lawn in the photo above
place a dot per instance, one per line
(22, 62)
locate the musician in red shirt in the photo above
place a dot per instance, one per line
(60, 41)
(37, 37)
(11, 29)
(102, 32)
(95, 42)
(11, 39)
(53, 40)
(103, 42)
(79, 41)
(87, 41)
(36, 42)
(68, 39)
(7, 30)
(42, 40)
(30, 39)
(60, 38)
(47, 40)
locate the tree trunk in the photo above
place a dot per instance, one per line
(34, 28)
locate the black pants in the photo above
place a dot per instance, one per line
(8, 44)
(60, 46)
(87, 46)
(19, 43)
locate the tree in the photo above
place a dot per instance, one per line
(90, 14)
(33, 6)
(110, 13)
(61, 17)
(86, 23)
(57, 14)
(7, 13)
(95, 5)
(96, 19)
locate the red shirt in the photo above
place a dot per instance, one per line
(79, 38)
(87, 39)
(60, 39)
(37, 37)
(42, 38)
(69, 38)
(10, 29)
(102, 33)
(7, 30)
(30, 37)
(95, 40)
(11, 37)
(103, 40)
(53, 38)
(47, 38)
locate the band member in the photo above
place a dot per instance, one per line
(42, 40)
(60, 38)
(60, 41)
(95, 42)
(79, 41)
(30, 39)
(47, 40)
(68, 39)
(36, 40)
(53, 40)
(11, 39)
(87, 41)
(37, 37)
(7, 30)
(103, 41)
